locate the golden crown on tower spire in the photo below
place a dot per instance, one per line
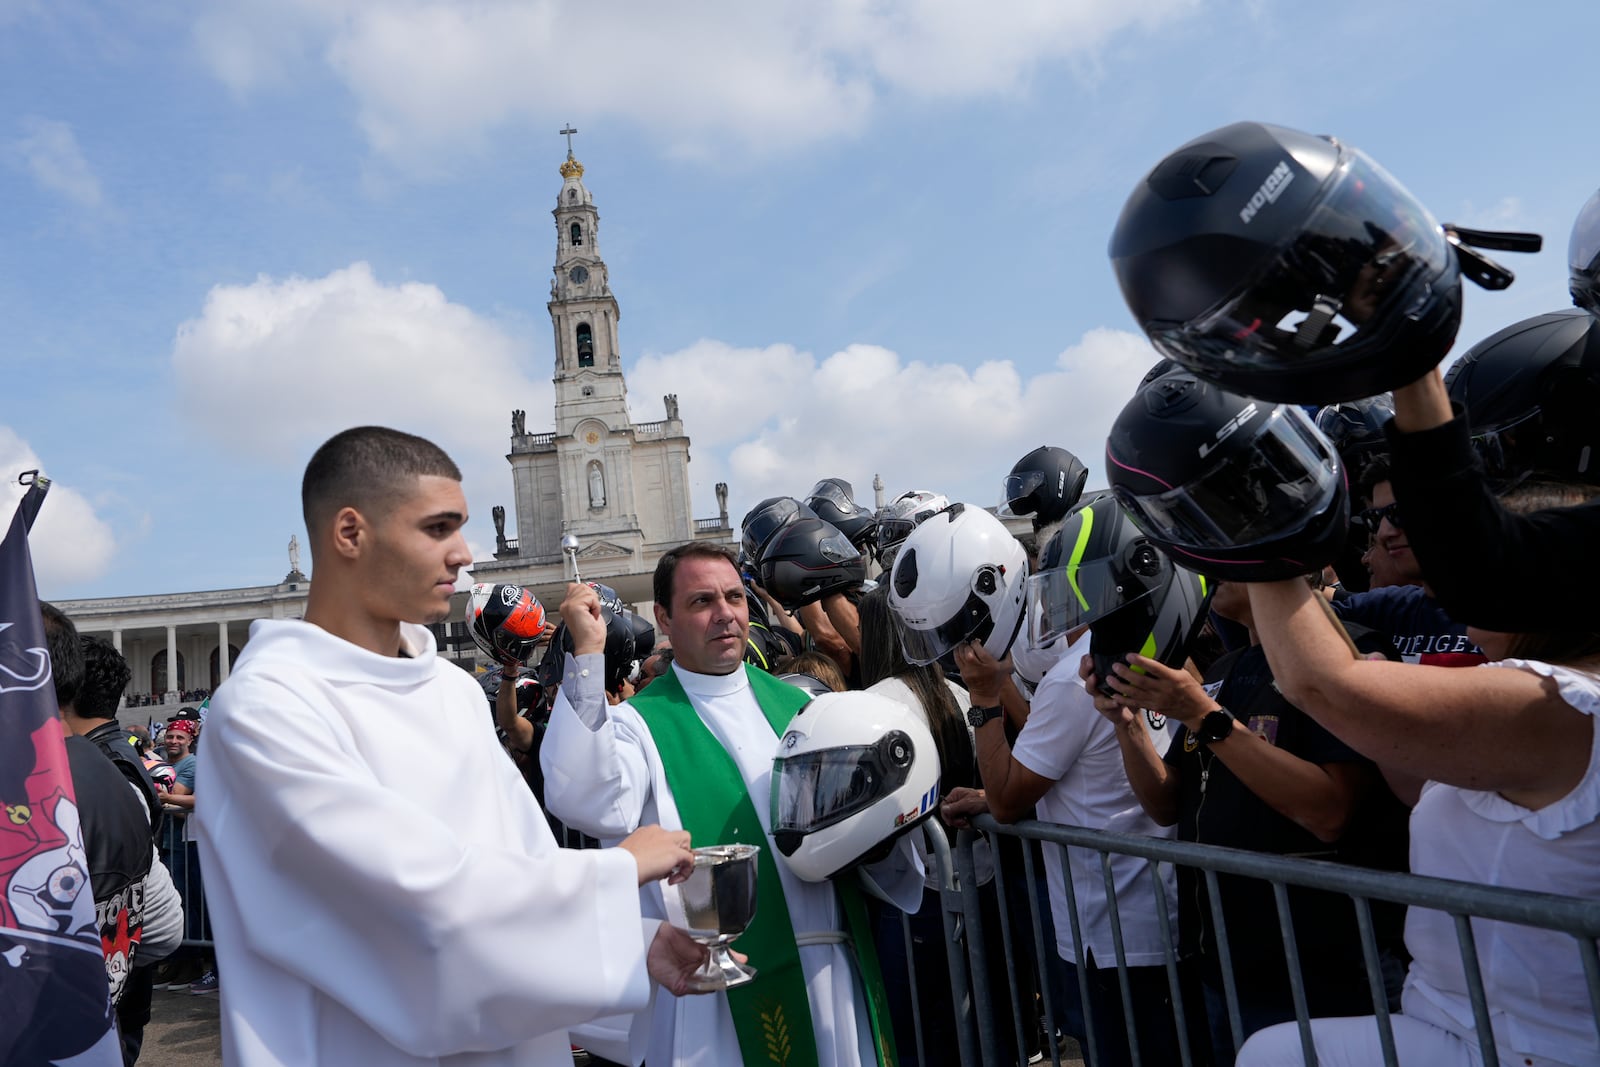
(571, 168)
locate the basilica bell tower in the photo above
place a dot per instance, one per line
(620, 487)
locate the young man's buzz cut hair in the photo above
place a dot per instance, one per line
(369, 468)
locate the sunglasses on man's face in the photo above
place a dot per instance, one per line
(1371, 517)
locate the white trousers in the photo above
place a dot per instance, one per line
(1353, 1042)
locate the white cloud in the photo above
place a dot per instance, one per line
(435, 76)
(273, 368)
(69, 542)
(776, 420)
(49, 152)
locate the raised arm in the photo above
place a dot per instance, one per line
(1483, 728)
(596, 776)
(1318, 796)
(1459, 530)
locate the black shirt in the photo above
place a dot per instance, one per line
(1488, 567)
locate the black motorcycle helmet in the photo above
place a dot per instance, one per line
(807, 560)
(1233, 488)
(1046, 484)
(1102, 571)
(766, 519)
(1355, 428)
(1583, 257)
(629, 638)
(833, 500)
(1286, 267)
(1532, 396)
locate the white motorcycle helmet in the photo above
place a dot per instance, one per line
(959, 577)
(853, 772)
(902, 515)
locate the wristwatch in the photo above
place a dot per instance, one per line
(979, 714)
(1215, 726)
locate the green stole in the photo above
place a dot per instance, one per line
(771, 1014)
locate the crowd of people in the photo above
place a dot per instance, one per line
(1318, 612)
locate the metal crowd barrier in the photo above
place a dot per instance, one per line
(1461, 900)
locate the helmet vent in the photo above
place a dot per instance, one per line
(1198, 172)
(905, 573)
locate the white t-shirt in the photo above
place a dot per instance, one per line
(1072, 744)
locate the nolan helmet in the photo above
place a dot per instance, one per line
(506, 621)
(1100, 570)
(1532, 396)
(1355, 428)
(1233, 488)
(807, 560)
(766, 519)
(853, 771)
(1288, 267)
(833, 500)
(1044, 484)
(1583, 257)
(959, 577)
(901, 516)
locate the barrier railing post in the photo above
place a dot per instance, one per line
(972, 913)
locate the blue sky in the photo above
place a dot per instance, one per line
(854, 238)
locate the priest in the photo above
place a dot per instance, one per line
(696, 752)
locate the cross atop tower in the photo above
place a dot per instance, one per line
(568, 132)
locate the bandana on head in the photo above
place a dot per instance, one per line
(184, 726)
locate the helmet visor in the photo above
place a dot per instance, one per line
(817, 789)
(1367, 256)
(1018, 490)
(1583, 255)
(1258, 490)
(830, 490)
(972, 622)
(760, 526)
(1076, 594)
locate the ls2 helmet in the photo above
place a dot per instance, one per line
(901, 516)
(1583, 257)
(1532, 395)
(766, 519)
(1045, 484)
(833, 500)
(1102, 571)
(506, 621)
(852, 772)
(959, 577)
(1287, 267)
(807, 560)
(1233, 488)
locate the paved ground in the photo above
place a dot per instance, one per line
(184, 1031)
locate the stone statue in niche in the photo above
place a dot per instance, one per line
(672, 405)
(597, 486)
(519, 422)
(499, 513)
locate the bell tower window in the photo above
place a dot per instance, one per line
(585, 345)
(572, 194)
(577, 235)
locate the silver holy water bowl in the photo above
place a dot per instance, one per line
(719, 901)
(569, 545)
